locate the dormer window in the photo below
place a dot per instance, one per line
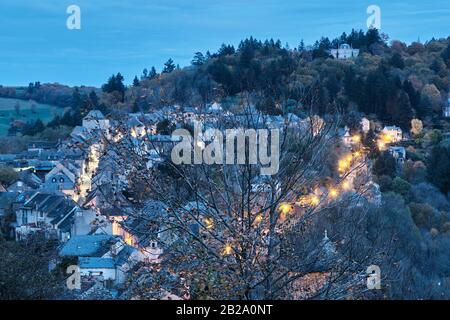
(61, 180)
(54, 180)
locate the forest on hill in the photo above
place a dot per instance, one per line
(389, 80)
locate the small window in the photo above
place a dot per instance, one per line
(54, 180)
(61, 180)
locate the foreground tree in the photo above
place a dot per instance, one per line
(24, 269)
(241, 235)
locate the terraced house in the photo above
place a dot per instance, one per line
(50, 213)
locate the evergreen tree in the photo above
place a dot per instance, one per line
(115, 84)
(93, 100)
(169, 66)
(76, 99)
(439, 166)
(413, 94)
(199, 59)
(136, 82)
(226, 50)
(405, 112)
(152, 74)
(370, 142)
(144, 74)
(301, 46)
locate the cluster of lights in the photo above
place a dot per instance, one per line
(345, 163)
(309, 200)
(384, 140)
(285, 208)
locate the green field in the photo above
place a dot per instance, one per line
(8, 112)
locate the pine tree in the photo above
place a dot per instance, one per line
(301, 46)
(93, 99)
(144, 74)
(152, 74)
(199, 59)
(76, 99)
(115, 84)
(169, 66)
(404, 113)
(136, 82)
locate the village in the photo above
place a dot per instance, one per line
(73, 192)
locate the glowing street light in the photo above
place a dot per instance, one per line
(346, 185)
(314, 200)
(258, 218)
(381, 145)
(333, 193)
(349, 159)
(285, 208)
(227, 250)
(209, 223)
(356, 138)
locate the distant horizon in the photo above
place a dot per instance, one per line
(127, 36)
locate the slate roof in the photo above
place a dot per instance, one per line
(87, 246)
(54, 206)
(96, 263)
(124, 255)
(94, 115)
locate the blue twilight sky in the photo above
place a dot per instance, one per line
(128, 35)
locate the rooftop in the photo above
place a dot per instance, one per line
(89, 245)
(96, 263)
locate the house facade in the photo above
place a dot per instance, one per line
(95, 120)
(46, 212)
(393, 133)
(344, 52)
(399, 154)
(60, 179)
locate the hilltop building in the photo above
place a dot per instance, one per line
(344, 52)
